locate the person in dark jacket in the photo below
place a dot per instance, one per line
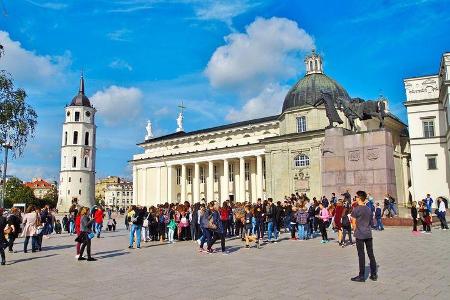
(414, 215)
(218, 232)
(378, 215)
(137, 220)
(85, 234)
(3, 241)
(14, 221)
(271, 215)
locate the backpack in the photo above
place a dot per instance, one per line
(345, 221)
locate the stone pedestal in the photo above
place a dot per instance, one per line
(358, 161)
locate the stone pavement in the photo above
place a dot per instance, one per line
(410, 267)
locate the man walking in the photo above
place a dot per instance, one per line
(362, 223)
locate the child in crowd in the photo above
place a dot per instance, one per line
(346, 227)
(172, 226)
(58, 227)
(110, 225)
(378, 215)
(301, 217)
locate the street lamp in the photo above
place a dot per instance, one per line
(7, 147)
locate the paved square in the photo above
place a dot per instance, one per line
(411, 267)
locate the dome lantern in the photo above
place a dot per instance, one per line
(313, 64)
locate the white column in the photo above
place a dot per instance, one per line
(169, 184)
(210, 182)
(259, 177)
(225, 182)
(241, 197)
(252, 184)
(158, 189)
(135, 185)
(183, 183)
(143, 195)
(196, 183)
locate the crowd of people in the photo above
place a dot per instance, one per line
(254, 223)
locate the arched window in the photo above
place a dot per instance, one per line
(86, 139)
(301, 160)
(301, 124)
(75, 137)
(65, 138)
(310, 66)
(74, 162)
(85, 161)
(315, 65)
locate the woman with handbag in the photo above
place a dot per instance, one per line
(86, 234)
(3, 231)
(30, 223)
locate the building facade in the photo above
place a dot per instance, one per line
(427, 104)
(102, 185)
(40, 187)
(77, 175)
(119, 195)
(266, 157)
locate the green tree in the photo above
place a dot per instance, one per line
(51, 198)
(16, 192)
(18, 119)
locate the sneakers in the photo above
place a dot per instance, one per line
(322, 242)
(358, 279)
(91, 259)
(374, 277)
(199, 242)
(130, 247)
(81, 258)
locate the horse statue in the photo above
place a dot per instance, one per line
(357, 108)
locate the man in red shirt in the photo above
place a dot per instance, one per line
(98, 217)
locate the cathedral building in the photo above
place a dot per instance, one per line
(272, 156)
(428, 107)
(77, 175)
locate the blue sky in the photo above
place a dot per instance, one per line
(227, 60)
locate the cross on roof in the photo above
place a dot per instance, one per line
(181, 106)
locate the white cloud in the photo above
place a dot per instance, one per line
(223, 11)
(120, 35)
(120, 64)
(163, 111)
(31, 69)
(28, 172)
(267, 103)
(117, 104)
(49, 5)
(267, 52)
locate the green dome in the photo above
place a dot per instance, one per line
(307, 90)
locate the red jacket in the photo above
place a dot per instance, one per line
(98, 216)
(77, 224)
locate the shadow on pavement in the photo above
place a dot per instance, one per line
(31, 258)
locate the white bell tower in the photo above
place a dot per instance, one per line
(77, 175)
(313, 63)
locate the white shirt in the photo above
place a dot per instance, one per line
(442, 206)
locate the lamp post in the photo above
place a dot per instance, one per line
(7, 146)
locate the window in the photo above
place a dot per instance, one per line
(247, 171)
(301, 160)
(428, 128)
(231, 173)
(432, 162)
(70, 179)
(80, 180)
(216, 174)
(178, 176)
(85, 161)
(75, 137)
(202, 175)
(65, 138)
(79, 192)
(77, 116)
(86, 139)
(68, 192)
(74, 162)
(301, 124)
(189, 175)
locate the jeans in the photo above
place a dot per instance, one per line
(347, 231)
(34, 243)
(215, 237)
(171, 232)
(206, 237)
(379, 225)
(307, 231)
(441, 216)
(145, 236)
(259, 230)
(98, 228)
(362, 256)
(135, 229)
(301, 231)
(71, 227)
(272, 229)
